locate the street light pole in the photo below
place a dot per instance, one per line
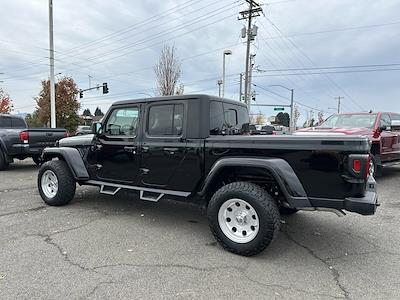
(219, 82)
(226, 52)
(52, 81)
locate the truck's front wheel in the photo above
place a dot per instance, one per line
(243, 218)
(3, 161)
(56, 183)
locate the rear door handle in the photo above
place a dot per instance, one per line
(130, 149)
(170, 150)
(145, 149)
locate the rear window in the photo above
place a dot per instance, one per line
(228, 119)
(5, 122)
(17, 123)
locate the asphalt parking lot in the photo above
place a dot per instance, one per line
(102, 246)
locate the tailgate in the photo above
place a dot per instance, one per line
(45, 137)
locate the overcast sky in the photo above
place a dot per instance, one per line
(119, 42)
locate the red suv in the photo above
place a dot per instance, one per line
(382, 128)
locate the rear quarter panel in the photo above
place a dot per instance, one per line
(318, 164)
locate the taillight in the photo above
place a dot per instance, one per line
(24, 136)
(357, 165)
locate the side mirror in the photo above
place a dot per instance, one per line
(96, 127)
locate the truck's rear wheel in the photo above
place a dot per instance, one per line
(3, 161)
(55, 183)
(243, 218)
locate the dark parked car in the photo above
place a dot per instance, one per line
(382, 129)
(264, 130)
(19, 142)
(197, 148)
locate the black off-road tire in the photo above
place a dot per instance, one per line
(287, 211)
(66, 183)
(3, 161)
(265, 207)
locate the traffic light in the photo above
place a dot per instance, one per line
(80, 94)
(105, 88)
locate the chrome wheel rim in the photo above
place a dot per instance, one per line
(49, 184)
(238, 220)
(371, 168)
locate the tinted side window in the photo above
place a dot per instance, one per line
(5, 122)
(236, 119)
(165, 120)
(228, 118)
(123, 121)
(17, 123)
(217, 120)
(385, 120)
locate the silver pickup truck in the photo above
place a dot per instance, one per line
(19, 142)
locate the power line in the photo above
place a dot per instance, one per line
(334, 30)
(330, 72)
(313, 63)
(332, 67)
(133, 26)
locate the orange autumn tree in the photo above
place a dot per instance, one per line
(67, 105)
(6, 105)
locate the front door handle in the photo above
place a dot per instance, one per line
(130, 149)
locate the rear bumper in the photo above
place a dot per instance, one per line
(27, 150)
(365, 205)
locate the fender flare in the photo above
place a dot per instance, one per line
(73, 159)
(283, 173)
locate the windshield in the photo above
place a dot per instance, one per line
(353, 121)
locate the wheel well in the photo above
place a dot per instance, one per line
(260, 176)
(51, 156)
(375, 149)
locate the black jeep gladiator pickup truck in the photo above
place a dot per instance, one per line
(197, 148)
(17, 141)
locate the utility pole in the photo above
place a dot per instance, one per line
(52, 81)
(240, 86)
(250, 77)
(253, 11)
(338, 104)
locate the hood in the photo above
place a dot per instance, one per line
(334, 131)
(79, 140)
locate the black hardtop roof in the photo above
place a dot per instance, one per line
(202, 97)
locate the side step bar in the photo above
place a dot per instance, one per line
(145, 193)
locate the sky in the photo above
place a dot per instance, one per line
(305, 45)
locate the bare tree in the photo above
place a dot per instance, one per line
(168, 71)
(320, 117)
